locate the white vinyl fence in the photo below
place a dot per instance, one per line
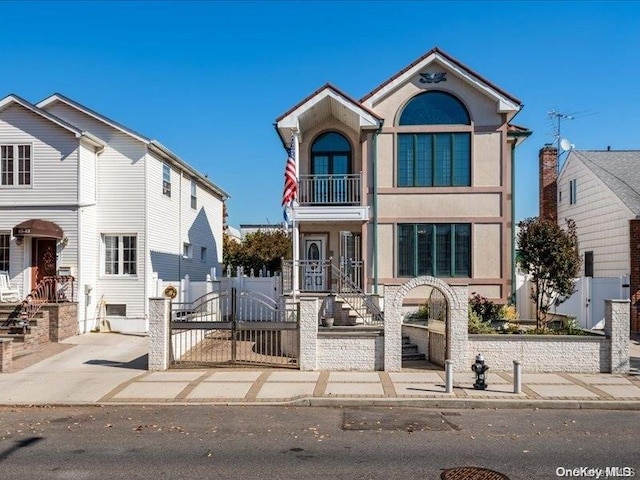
(188, 291)
(586, 304)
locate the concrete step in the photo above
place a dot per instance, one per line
(413, 356)
(16, 337)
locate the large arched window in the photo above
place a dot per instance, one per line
(438, 159)
(330, 155)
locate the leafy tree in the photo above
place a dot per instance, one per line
(257, 251)
(550, 255)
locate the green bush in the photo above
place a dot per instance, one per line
(484, 308)
(476, 325)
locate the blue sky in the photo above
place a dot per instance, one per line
(208, 79)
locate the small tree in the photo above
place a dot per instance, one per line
(550, 255)
(257, 250)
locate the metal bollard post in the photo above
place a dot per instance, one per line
(517, 377)
(448, 374)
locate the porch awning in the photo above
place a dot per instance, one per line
(38, 228)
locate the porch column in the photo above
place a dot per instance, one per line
(159, 333)
(458, 329)
(308, 334)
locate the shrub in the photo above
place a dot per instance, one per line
(476, 325)
(484, 308)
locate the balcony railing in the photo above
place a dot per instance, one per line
(344, 189)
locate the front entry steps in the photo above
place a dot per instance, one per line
(410, 351)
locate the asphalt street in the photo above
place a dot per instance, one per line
(197, 442)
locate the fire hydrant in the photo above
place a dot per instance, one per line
(480, 370)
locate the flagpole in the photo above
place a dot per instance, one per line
(294, 225)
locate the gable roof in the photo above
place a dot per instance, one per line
(152, 145)
(337, 102)
(13, 99)
(619, 170)
(506, 101)
(57, 97)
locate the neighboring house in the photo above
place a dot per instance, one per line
(413, 179)
(247, 228)
(600, 191)
(83, 195)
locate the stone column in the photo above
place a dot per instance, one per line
(308, 333)
(616, 328)
(392, 329)
(6, 354)
(159, 333)
(458, 329)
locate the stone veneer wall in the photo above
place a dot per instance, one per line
(350, 351)
(159, 334)
(542, 353)
(561, 353)
(39, 332)
(63, 320)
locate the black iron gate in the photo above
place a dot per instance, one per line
(234, 327)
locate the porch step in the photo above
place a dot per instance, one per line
(410, 350)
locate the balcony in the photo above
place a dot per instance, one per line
(342, 189)
(331, 198)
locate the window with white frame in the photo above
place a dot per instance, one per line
(187, 250)
(120, 254)
(194, 198)
(573, 192)
(15, 165)
(203, 254)
(166, 179)
(5, 238)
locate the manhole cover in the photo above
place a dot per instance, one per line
(472, 473)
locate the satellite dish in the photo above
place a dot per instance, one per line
(565, 144)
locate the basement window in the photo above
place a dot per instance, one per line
(116, 310)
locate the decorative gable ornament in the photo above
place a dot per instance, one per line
(433, 77)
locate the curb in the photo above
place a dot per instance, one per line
(465, 404)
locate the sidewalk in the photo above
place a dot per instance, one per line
(111, 369)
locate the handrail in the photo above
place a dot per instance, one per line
(53, 289)
(349, 292)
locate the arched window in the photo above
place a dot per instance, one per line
(438, 159)
(330, 155)
(435, 108)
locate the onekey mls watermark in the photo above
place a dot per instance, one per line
(593, 472)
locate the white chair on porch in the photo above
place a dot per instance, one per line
(7, 292)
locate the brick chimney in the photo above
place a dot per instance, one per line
(548, 159)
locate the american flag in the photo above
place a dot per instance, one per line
(290, 180)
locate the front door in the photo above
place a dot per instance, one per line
(43, 259)
(314, 268)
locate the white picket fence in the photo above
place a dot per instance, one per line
(586, 304)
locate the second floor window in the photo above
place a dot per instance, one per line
(166, 180)
(194, 198)
(434, 142)
(573, 191)
(15, 165)
(434, 160)
(120, 254)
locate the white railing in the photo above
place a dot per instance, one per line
(344, 189)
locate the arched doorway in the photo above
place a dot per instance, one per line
(455, 324)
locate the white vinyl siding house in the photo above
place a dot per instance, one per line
(602, 218)
(102, 184)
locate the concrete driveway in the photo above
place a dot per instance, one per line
(92, 367)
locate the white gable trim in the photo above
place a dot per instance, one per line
(59, 98)
(13, 99)
(366, 119)
(504, 104)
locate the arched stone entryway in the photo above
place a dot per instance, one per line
(457, 297)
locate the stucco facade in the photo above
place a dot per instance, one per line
(371, 161)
